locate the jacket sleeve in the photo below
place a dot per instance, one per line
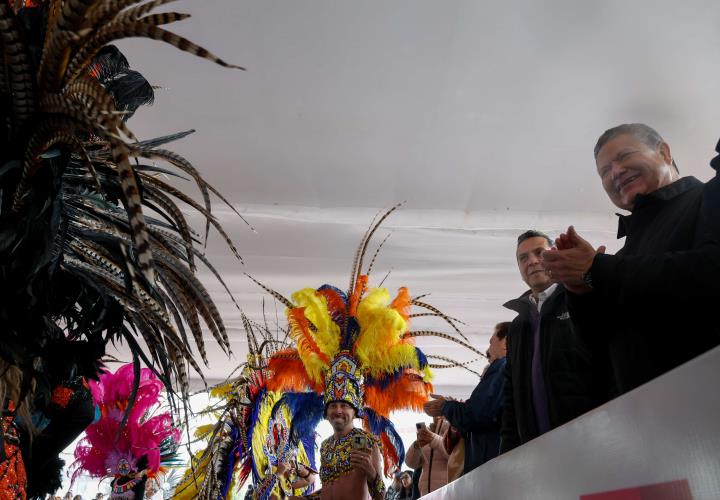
(711, 199)
(414, 457)
(438, 444)
(509, 436)
(482, 410)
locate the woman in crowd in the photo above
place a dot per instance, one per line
(401, 487)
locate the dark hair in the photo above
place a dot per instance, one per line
(502, 329)
(643, 133)
(531, 233)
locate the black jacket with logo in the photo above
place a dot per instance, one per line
(655, 303)
(572, 381)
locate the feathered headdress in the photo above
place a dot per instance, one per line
(254, 432)
(82, 261)
(357, 347)
(127, 442)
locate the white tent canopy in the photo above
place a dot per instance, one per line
(482, 115)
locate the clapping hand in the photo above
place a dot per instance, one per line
(434, 406)
(571, 258)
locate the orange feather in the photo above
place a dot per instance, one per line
(288, 373)
(405, 393)
(360, 286)
(335, 304)
(390, 457)
(300, 325)
(401, 303)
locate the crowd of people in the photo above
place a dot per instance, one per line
(591, 327)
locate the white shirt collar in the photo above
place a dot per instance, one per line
(542, 296)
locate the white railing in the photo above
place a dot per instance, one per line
(660, 441)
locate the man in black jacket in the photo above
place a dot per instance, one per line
(653, 304)
(478, 418)
(551, 377)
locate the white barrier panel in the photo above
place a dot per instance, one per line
(658, 442)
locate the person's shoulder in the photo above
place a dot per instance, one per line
(325, 442)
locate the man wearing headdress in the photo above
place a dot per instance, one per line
(350, 460)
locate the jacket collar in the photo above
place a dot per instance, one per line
(522, 303)
(662, 195)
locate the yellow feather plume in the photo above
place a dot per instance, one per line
(327, 336)
(188, 487)
(380, 347)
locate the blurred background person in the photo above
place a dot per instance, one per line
(478, 419)
(401, 487)
(428, 452)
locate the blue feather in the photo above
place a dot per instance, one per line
(380, 425)
(337, 290)
(306, 412)
(230, 465)
(384, 381)
(421, 358)
(350, 335)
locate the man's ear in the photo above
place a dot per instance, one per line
(664, 150)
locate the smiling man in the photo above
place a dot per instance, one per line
(652, 305)
(550, 375)
(350, 460)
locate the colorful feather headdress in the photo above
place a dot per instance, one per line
(358, 347)
(254, 430)
(355, 347)
(126, 441)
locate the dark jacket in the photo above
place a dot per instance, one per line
(658, 296)
(478, 418)
(572, 380)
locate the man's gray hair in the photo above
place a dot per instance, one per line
(643, 133)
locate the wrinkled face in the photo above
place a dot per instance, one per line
(340, 415)
(628, 167)
(530, 263)
(497, 349)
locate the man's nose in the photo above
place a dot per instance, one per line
(616, 169)
(534, 259)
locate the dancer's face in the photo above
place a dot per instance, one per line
(340, 415)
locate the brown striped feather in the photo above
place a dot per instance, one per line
(203, 302)
(440, 314)
(138, 29)
(133, 205)
(188, 312)
(17, 66)
(430, 333)
(368, 237)
(272, 292)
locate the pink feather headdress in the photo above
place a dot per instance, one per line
(108, 451)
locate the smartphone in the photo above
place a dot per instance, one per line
(361, 443)
(420, 425)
